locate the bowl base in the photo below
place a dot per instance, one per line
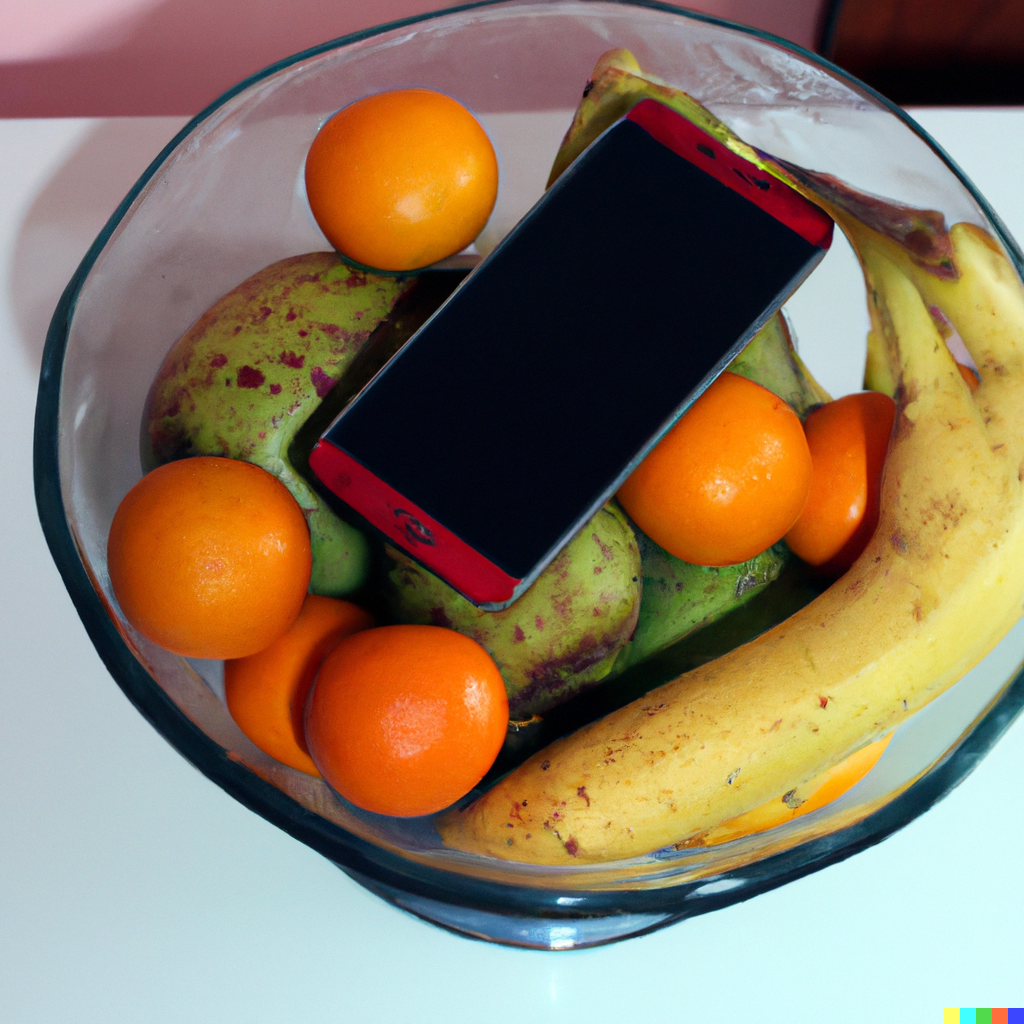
(552, 933)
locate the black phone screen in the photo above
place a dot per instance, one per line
(562, 359)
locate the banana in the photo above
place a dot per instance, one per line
(798, 801)
(940, 583)
(679, 598)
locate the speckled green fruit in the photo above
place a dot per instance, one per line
(563, 634)
(248, 373)
(680, 598)
(771, 360)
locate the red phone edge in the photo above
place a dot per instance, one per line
(411, 528)
(694, 144)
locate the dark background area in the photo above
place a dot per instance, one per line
(931, 52)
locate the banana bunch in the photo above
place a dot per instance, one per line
(940, 583)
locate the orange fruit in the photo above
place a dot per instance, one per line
(970, 376)
(266, 692)
(401, 179)
(404, 720)
(727, 481)
(848, 439)
(209, 557)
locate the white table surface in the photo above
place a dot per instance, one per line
(133, 889)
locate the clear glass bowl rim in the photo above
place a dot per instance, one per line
(377, 865)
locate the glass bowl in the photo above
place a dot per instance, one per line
(225, 199)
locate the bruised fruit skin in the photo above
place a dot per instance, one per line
(563, 635)
(248, 373)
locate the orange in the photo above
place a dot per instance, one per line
(209, 557)
(401, 179)
(404, 720)
(970, 376)
(848, 440)
(727, 481)
(266, 692)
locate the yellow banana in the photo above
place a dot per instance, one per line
(940, 583)
(798, 801)
(878, 375)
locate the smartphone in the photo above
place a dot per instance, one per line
(522, 404)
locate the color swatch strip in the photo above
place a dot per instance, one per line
(983, 1015)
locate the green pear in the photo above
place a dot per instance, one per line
(680, 598)
(250, 371)
(562, 635)
(771, 360)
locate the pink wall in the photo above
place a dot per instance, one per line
(61, 58)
